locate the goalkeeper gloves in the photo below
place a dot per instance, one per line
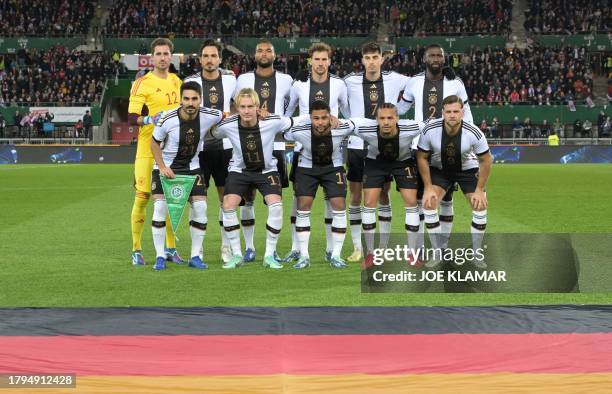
(152, 119)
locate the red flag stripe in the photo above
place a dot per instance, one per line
(303, 355)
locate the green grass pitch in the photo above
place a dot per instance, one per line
(65, 241)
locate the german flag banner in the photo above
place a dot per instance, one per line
(536, 349)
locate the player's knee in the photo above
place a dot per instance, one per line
(160, 211)
(199, 210)
(479, 220)
(275, 217)
(339, 221)
(141, 198)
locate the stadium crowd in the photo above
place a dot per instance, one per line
(417, 17)
(45, 17)
(281, 18)
(540, 76)
(57, 75)
(568, 16)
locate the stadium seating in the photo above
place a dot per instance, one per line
(270, 18)
(541, 76)
(568, 16)
(58, 76)
(45, 17)
(411, 17)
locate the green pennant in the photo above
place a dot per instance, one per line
(177, 192)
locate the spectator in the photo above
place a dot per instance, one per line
(494, 127)
(78, 129)
(87, 123)
(601, 120)
(517, 128)
(2, 125)
(545, 130)
(553, 139)
(559, 128)
(578, 128)
(587, 129)
(484, 128)
(607, 128)
(17, 118)
(527, 128)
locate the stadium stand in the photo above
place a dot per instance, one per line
(45, 17)
(58, 76)
(539, 76)
(568, 17)
(410, 17)
(270, 18)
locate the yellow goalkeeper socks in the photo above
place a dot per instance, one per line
(139, 210)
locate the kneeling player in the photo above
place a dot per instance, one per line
(459, 153)
(389, 140)
(320, 164)
(182, 132)
(252, 165)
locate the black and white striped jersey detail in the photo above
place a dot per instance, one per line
(257, 139)
(367, 129)
(473, 143)
(184, 138)
(413, 95)
(304, 135)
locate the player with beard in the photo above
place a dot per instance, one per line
(453, 150)
(273, 88)
(218, 87)
(181, 132)
(426, 91)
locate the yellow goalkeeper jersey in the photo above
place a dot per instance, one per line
(156, 94)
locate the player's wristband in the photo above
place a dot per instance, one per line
(147, 120)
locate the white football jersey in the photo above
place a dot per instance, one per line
(182, 140)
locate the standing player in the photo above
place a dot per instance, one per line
(273, 88)
(426, 91)
(453, 150)
(367, 91)
(320, 163)
(218, 87)
(156, 91)
(320, 86)
(182, 132)
(252, 165)
(389, 154)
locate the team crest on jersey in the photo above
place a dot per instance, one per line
(388, 149)
(322, 152)
(213, 96)
(450, 153)
(432, 96)
(319, 96)
(373, 93)
(190, 137)
(265, 93)
(250, 142)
